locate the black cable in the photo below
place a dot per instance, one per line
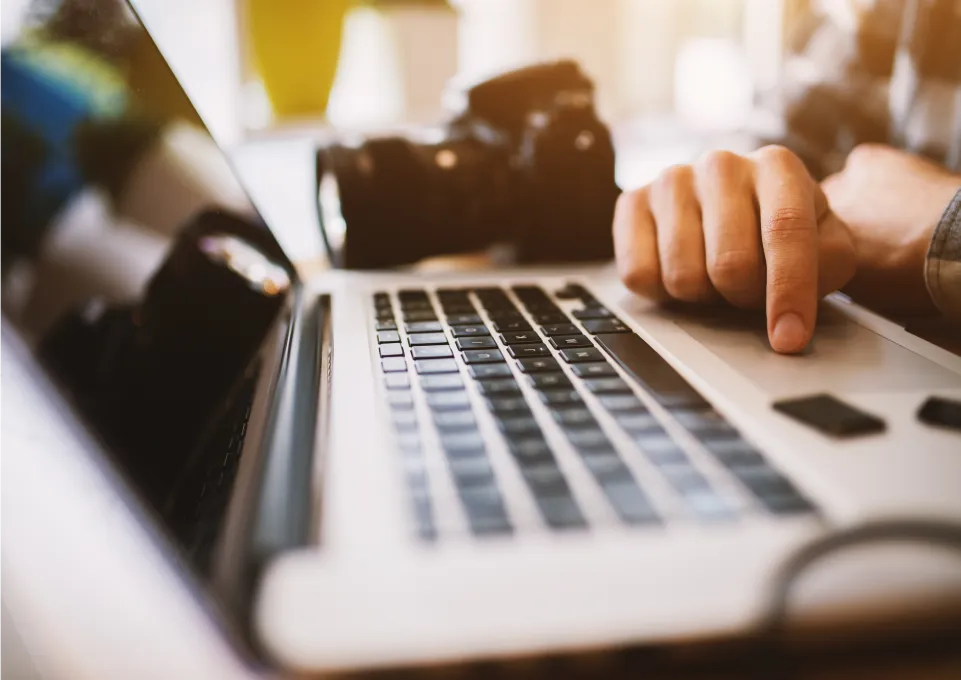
(774, 624)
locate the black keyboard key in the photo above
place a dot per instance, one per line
(431, 352)
(708, 504)
(397, 381)
(404, 421)
(504, 315)
(470, 330)
(393, 349)
(448, 401)
(764, 481)
(518, 428)
(571, 291)
(457, 444)
(416, 305)
(622, 403)
(704, 423)
(416, 339)
(483, 342)
(393, 365)
(607, 386)
(606, 466)
(638, 423)
(630, 503)
(658, 444)
(483, 356)
(423, 517)
(574, 418)
(402, 400)
(941, 412)
(463, 319)
(520, 338)
(589, 439)
(595, 326)
(554, 330)
(538, 365)
(646, 366)
(528, 351)
(384, 314)
(530, 451)
(546, 480)
(454, 421)
(483, 371)
(430, 366)
(734, 453)
(830, 415)
(508, 326)
(508, 406)
(386, 325)
(420, 315)
(472, 471)
(548, 318)
(561, 512)
(442, 381)
(411, 295)
(425, 327)
(549, 381)
(498, 386)
(579, 356)
(409, 443)
(687, 480)
(388, 336)
(592, 313)
(569, 341)
(597, 369)
(561, 398)
(463, 309)
(787, 504)
(485, 510)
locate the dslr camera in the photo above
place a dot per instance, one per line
(524, 161)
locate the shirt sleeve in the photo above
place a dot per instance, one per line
(942, 273)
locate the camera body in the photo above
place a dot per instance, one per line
(524, 161)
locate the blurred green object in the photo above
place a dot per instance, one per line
(295, 46)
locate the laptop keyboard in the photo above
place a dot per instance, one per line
(652, 445)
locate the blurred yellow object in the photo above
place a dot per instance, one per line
(295, 45)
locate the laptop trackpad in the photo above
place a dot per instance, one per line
(843, 357)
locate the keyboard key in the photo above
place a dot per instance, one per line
(560, 329)
(483, 356)
(420, 315)
(786, 504)
(384, 314)
(386, 325)
(404, 420)
(530, 451)
(400, 400)
(482, 371)
(409, 442)
(549, 318)
(707, 504)
(461, 319)
(561, 512)
(764, 481)
(592, 313)
(606, 466)
(589, 439)
(394, 364)
(498, 386)
(468, 443)
(424, 327)
(547, 364)
(431, 352)
(393, 349)
(429, 366)
(523, 427)
(509, 326)
(659, 444)
(416, 305)
(734, 453)
(607, 386)
(448, 401)
(388, 336)
(442, 381)
(472, 471)
(597, 369)
(655, 374)
(546, 480)
(569, 341)
(559, 398)
(397, 381)
(520, 338)
(548, 381)
(484, 342)
(529, 351)
(577, 356)
(464, 312)
(638, 422)
(451, 421)
(504, 314)
(704, 423)
(469, 331)
(630, 503)
(605, 326)
(508, 405)
(622, 403)
(686, 480)
(574, 418)
(484, 509)
(416, 339)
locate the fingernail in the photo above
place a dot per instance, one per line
(789, 334)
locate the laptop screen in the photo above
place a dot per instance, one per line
(133, 262)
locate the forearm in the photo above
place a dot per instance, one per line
(943, 266)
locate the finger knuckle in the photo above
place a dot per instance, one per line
(638, 279)
(720, 163)
(776, 155)
(864, 153)
(787, 223)
(686, 283)
(735, 272)
(673, 179)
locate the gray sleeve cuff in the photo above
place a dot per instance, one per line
(942, 273)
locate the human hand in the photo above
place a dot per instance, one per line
(755, 231)
(891, 201)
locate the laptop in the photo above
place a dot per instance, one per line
(425, 470)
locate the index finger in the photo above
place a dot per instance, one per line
(789, 202)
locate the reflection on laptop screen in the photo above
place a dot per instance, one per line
(106, 164)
